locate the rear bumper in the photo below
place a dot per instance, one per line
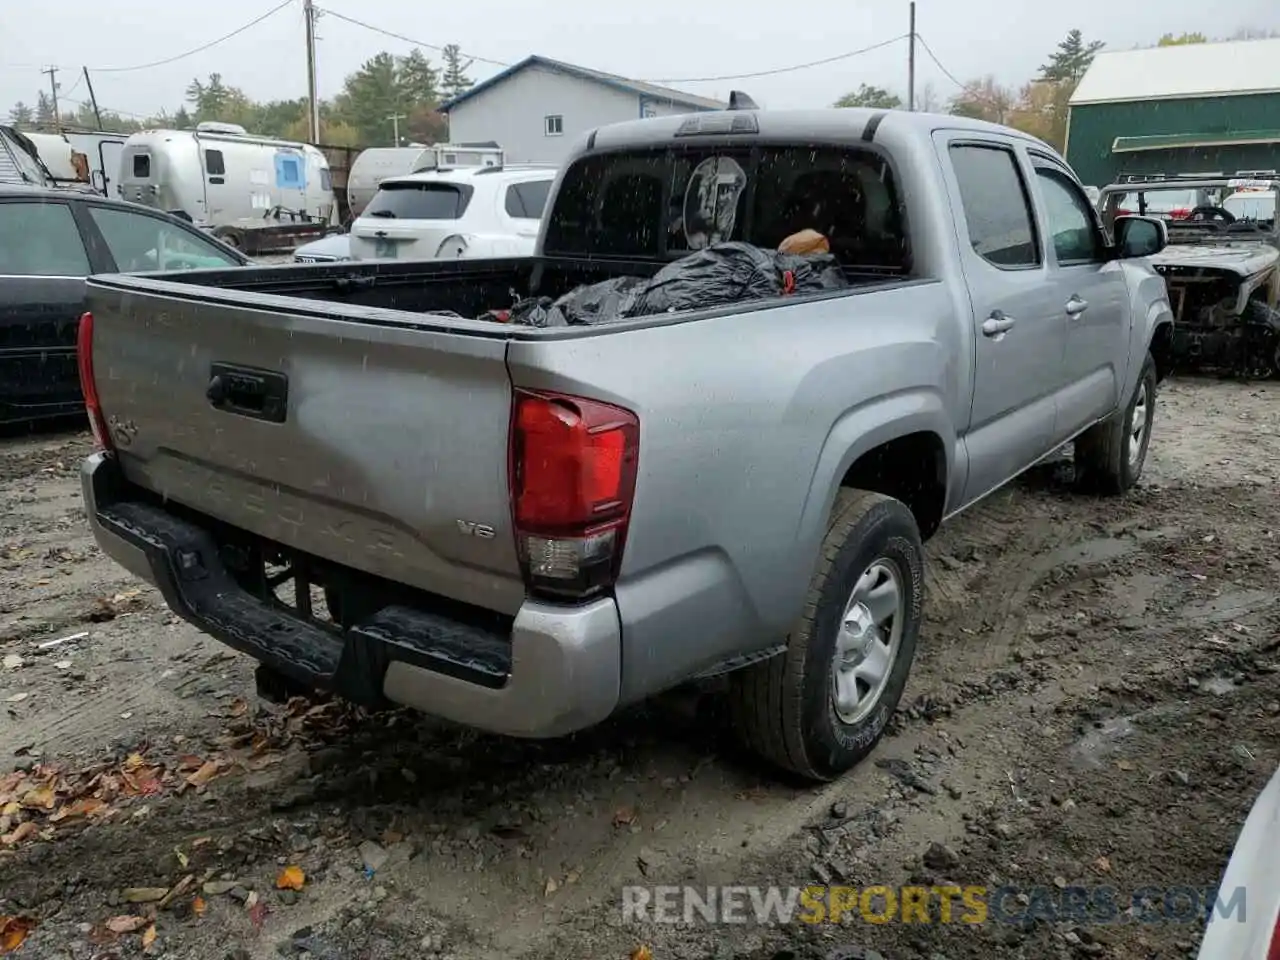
(557, 672)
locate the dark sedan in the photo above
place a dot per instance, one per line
(50, 240)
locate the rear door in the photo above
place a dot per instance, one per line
(43, 263)
(522, 206)
(410, 219)
(138, 241)
(1019, 329)
(1091, 295)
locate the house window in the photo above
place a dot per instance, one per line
(554, 125)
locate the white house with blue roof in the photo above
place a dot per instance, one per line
(538, 107)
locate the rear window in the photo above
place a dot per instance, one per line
(420, 201)
(525, 201)
(667, 203)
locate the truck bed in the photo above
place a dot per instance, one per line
(467, 288)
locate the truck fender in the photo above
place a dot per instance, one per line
(1151, 310)
(862, 429)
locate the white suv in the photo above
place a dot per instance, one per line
(473, 212)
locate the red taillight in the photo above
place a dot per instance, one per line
(1273, 951)
(573, 477)
(88, 386)
(1180, 213)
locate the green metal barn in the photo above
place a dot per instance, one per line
(1205, 108)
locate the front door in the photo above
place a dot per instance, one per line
(1019, 331)
(43, 263)
(1092, 297)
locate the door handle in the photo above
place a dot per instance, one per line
(1076, 306)
(997, 324)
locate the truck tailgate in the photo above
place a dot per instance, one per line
(381, 447)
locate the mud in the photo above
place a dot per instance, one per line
(1096, 703)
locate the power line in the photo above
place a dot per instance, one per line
(200, 49)
(417, 43)
(938, 63)
(737, 76)
(791, 69)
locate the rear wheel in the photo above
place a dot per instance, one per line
(1110, 455)
(820, 707)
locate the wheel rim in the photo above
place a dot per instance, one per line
(1138, 423)
(868, 641)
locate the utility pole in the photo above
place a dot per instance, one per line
(92, 99)
(911, 61)
(395, 119)
(313, 102)
(52, 73)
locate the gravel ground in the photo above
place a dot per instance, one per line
(1095, 701)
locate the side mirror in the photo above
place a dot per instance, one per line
(1140, 236)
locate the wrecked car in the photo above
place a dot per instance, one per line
(1222, 267)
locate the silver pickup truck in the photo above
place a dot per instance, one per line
(356, 475)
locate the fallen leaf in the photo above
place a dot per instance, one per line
(13, 931)
(24, 831)
(641, 953)
(126, 924)
(551, 887)
(41, 798)
(133, 762)
(238, 707)
(126, 715)
(624, 817)
(11, 809)
(182, 858)
(63, 665)
(84, 807)
(198, 906)
(12, 661)
(251, 901)
(258, 914)
(1124, 765)
(149, 937)
(1103, 864)
(143, 894)
(207, 772)
(190, 763)
(291, 878)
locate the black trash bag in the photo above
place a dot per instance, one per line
(537, 312)
(601, 302)
(730, 273)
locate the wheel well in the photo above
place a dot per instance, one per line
(1162, 350)
(913, 469)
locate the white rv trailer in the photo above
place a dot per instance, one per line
(102, 150)
(218, 175)
(375, 164)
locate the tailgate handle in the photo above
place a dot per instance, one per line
(248, 392)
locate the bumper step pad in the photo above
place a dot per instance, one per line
(351, 663)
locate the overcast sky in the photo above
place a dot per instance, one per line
(667, 40)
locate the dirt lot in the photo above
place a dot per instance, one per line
(1096, 702)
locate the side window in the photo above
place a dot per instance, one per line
(526, 200)
(997, 209)
(140, 242)
(326, 180)
(40, 240)
(141, 166)
(1071, 223)
(213, 163)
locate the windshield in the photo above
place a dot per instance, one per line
(666, 203)
(1229, 209)
(420, 201)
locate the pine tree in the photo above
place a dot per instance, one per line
(44, 111)
(21, 116)
(455, 81)
(1069, 62)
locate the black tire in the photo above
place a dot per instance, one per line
(1106, 461)
(783, 708)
